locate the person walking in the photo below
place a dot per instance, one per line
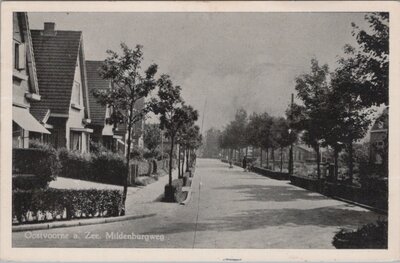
(244, 163)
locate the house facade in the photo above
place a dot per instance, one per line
(25, 85)
(61, 72)
(379, 137)
(103, 130)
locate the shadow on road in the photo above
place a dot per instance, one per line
(256, 192)
(261, 218)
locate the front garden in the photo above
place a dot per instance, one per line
(33, 201)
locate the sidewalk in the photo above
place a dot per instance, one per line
(147, 194)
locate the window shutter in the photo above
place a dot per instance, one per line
(22, 56)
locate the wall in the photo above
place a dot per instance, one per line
(76, 115)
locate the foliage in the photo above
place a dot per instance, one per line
(75, 164)
(104, 167)
(211, 143)
(97, 147)
(371, 60)
(152, 137)
(372, 236)
(41, 160)
(55, 202)
(174, 113)
(173, 191)
(129, 87)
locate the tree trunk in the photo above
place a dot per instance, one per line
(318, 163)
(261, 152)
(179, 161)
(281, 158)
(290, 163)
(273, 159)
(171, 151)
(188, 160)
(351, 163)
(128, 153)
(183, 161)
(267, 158)
(247, 150)
(336, 168)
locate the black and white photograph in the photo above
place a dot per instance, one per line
(200, 129)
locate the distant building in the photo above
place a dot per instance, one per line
(25, 85)
(378, 137)
(64, 107)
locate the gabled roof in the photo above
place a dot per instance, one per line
(382, 122)
(95, 82)
(24, 23)
(56, 57)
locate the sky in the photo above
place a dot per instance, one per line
(222, 61)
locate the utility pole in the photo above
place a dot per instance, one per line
(291, 143)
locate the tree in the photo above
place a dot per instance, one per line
(254, 132)
(190, 140)
(152, 137)
(312, 89)
(282, 136)
(238, 130)
(211, 145)
(174, 113)
(129, 85)
(352, 119)
(372, 59)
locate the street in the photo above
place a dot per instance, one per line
(229, 208)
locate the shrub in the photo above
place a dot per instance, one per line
(41, 160)
(58, 204)
(75, 164)
(136, 153)
(97, 148)
(369, 236)
(108, 167)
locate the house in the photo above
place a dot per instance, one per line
(103, 131)
(25, 85)
(61, 73)
(378, 137)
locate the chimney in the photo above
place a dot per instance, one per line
(49, 29)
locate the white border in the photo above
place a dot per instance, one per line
(93, 254)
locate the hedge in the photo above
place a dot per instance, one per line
(58, 204)
(104, 167)
(41, 161)
(372, 236)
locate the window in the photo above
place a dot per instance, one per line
(76, 99)
(19, 56)
(75, 142)
(18, 136)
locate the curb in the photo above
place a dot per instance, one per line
(374, 209)
(84, 222)
(187, 198)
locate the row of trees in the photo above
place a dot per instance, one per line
(129, 85)
(259, 130)
(336, 106)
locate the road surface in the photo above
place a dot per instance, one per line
(229, 208)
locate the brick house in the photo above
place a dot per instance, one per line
(64, 107)
(103, 132)
(378, 137)
(25, 85)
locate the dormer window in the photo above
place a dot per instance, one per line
(19, 56)
(77, 93)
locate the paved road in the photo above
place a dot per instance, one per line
(229, 209)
